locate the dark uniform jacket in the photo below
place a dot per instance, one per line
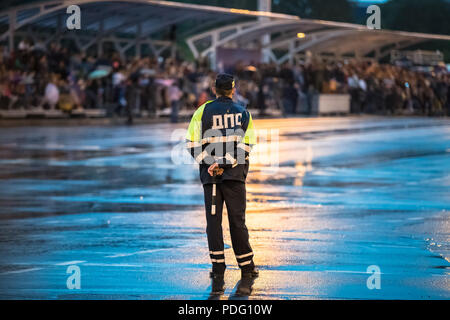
(221, 131)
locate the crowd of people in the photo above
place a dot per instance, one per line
(34, 76)
(374, 88)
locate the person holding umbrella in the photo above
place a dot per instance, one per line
(220, 137)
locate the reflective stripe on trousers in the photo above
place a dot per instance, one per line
(233, 194)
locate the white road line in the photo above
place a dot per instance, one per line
(94, 264)
(113, 265)
(21, 271)
(144, 251)
(69, 263)
(134, 253)
(347, 271)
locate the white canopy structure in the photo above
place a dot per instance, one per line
(290, 37)
(134, 23)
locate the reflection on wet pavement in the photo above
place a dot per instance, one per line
(347, 193)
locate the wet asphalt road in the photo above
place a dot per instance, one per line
(327, 198)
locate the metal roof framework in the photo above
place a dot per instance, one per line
(133, 23)
(317, 36)
(126, 23)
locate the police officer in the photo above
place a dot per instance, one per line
(220, 137)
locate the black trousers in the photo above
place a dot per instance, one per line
(233, 193)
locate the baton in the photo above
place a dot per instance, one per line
(213, 200)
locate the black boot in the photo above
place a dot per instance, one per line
(217, 283)
(245, 287)
(252, 273)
